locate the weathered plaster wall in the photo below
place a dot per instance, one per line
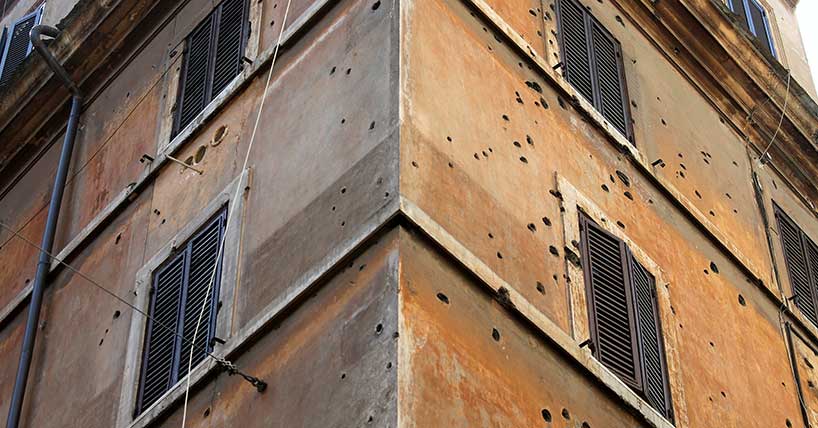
(480, 155)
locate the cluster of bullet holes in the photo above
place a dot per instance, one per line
(158, 214)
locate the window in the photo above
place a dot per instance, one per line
(213, 56)
(626, 332)
(753, 18)
(177, 294)
(592, 61)
(801, 258)
(17, 45)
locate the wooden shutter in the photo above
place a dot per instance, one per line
(654, 366)
(609, 78)
(178, 292)
(213, 57)
(801, 258)
(230, 42)
(19, 45)
(204, 248)
(593, 63)
(161, 343)
(194, 86)
(574, 35)
(613, 323)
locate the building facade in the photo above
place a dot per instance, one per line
(416, 213)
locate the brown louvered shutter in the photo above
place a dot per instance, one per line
(204, 248)
(654, 366)
(19, 45)
(613, 323)
(159, 360)
(801, 258)
(194, 85)
(213, 57)
(179, 290)
(609, 78)
(230, 41)
(574, 23)
(592, 60)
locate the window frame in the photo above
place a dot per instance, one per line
(748, 21)
(224, 317)
(591, 22)
(574, 202)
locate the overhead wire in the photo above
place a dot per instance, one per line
(780, 120)
(231, 210)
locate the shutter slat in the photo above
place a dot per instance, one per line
(230, 43)
(157, 369)
(798, 267)
(653, 357)
(575, 38)
(204, 250)
(611, 311)
(19, 45)
(609, 82)
(194, 81)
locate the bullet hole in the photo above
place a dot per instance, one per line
(332, 71)
(529, 140)
(808, 363)
(372, 126)
(605, 187)
(586, 425)
(566, 414)
(369, 421)
(531, 11)
(683, 166)
(620, 224)
(362, 267)
(517, 144)
(343, 375)
(495, 334)
(218, 136)
(491, 236)
(414, 164)
(736, 164)
(650, 201)
(207, 412)
(349, 70)
(572, 257)
(389, 365)
(200, 153)
(449, 139)
(633, 104)
(676, 51)
(485, 155)
(553, 250)
(698, 195)
(343, 190)
(343, 121)
(555, 194)
(343, 223)
(376, 5)
(728, 196)
(546, 221)
(546, 415)
(499, 255)
(532, 227)
(443, 298)
(476, 156)
(712, 345)
(505, 117)
(118, 238)
(624, 178)
(379, 329)
(117, 314)
(628, 195)
(788, 423)
(523, 159)
(451, 165)
(741, 300)
(533, 85)
(714, 268)
(723, 394)
(561, 102)
(610, 177)
(712, 214)
(663, 122)
(540, 287)
(706, 272)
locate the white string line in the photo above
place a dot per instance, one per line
(781, 120)
(231, 211)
